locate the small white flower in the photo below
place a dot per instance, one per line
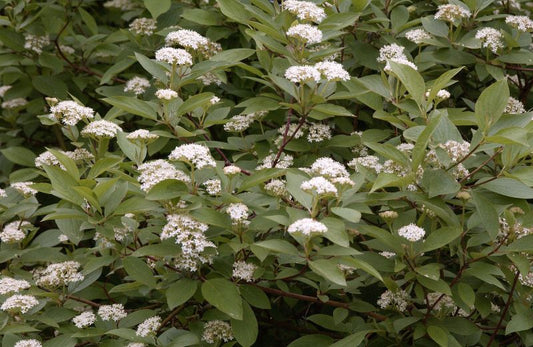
(284, 161)
(443, 94)
(320, 186)
(368, 162)
(213, 186)
(231, 170)
(305, 10)
(137, 85)
(412, 232)
(143, 26)
(166, 94)
(113, 312)
(47, 158)
(417, 35)
(36, 43)
(319, 132)
(238, 212)
(124, 5)
(10, 285)
(306, 33)
(395, 300)
(307, 227)
(195, 154)
(84, 319)
(19, 303)
(304, 73)
(332, 71)
(276, 187)
(172, 56)
(214, 100)
(514, 106)
(101, 129)
(217, 330)
(490, 38)
(3, 90)
(392, 51)
(62, 238)
(149, 326)
(387, 255)
(244, 271)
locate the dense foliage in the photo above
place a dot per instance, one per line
(254, 172)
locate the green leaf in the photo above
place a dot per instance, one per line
(194, 102)
(88, 20)
(134, 106)
(324, 111)
(440, 238)
(353, 340)
(155, 68)
(487, 213)
(157, 7)
(312, 340)
(234, 10)
(519, 322)
(412, 80)
(440, 182)
(422, 142)
(50, 86)
(438, 335)
(467, 294)
(117, 68)
(167, 190)
(259, 177)
(491, 104)
(279, 246)
(255, 297)
(180, 291)
(349, 214)
(224, 295)
(19, 155)
(139, 271)
(336, 231)
(328, 269)
(246, 329)
(233, 55)
(443, 79)
(509, 187)
(202, 17)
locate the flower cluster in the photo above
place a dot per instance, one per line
(14, 103)
(149, 326)
(157, 171)
(166, 94)
(70, 112)
(307, 227)
(490, 38)
(417, 36)
(143, 26)
(84, 319)
(28, 343)
(319, 186)
(276, 187)
(394, 53)
(331, 71)
(124, 5)
(213, 186)
(14, 232)
(142, 135)
(189, 234)
(238, 212)
(194, 154)
(58, 274)
(101, 129)
(452, 13)
(244, 271)
(36, 43)
(19, 303)
(193, 41)
(412, 232)
(306, 33)
(113, 312)
(137, 85)
(305, 10)
(368, 162)
(514, 106)
(240, 122)
(10, 285)
(174, 56)
(217, 330)
(319, 132)
(397, 300)
(520, 23)
(24, 188)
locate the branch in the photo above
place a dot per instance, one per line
(285, 139)
(170, 316)
(85, 301)
(504, 312)
(481, 166)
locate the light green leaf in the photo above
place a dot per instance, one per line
(180, 291)
(246, 329)
(139, 271)
(19, 155)
(224, 295)
(438, 335)
(412, 80)
(134, 106)
(167, 190)
(440, 238)
(157, 7)
(349, 214)
(328, 269)
(259, 177)
(491, 104)
(509, 187)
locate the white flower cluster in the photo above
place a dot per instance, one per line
(194, 154)
(4, 89)
(285, 161)
(490, 38)
(443, 94)
(293, 130)
(70, 112)
(113, 312)
(193, 41)
(10, 285)
(515, 231)
(306, 33)
(137, 85)
(209, 78)
(47, 158)
(143, 26)
(417, 35)
(456, 150)
(13, 232)
(35, 43)
(24, 188)
(142, 135)
(412, 232)
(238, 212)
(189, 234)
(101, 129)
(157, 171)
(166, 94)
(84, 319)
(387, 254)
(231, 170)
(307, 227)
(319, 186)
(58, 274)
(452, 13)
(28, 343)
(520, 23)
(398, 300)
(331, 169)
(394, 53)
(406, 147)
(389, 215)
(305, 10)
(149, 326)
(239, 123)
(135, 344)
(319, 132)
(217, 330)
(124, 5)
(368, 162)
(446, 303)
(526, 280)
(173, 56)
(514, 106)
(14, 103)
(19, 303)
(331, 71)
(244, 271)
(276, 187)
(3, 193)
(213, 186)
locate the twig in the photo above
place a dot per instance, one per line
(285, 139)
(481, 166)
(170, 316)
(85, 301)
(504, 312)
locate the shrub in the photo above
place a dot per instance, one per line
(266, 173)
